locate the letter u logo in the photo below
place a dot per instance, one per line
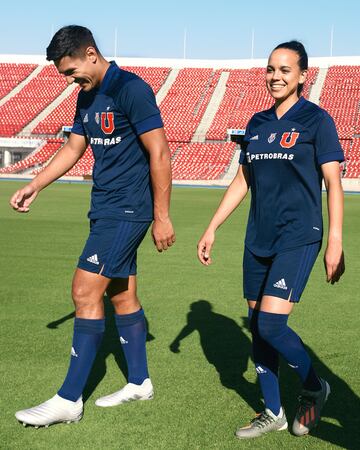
(288, 140)
(107, 122)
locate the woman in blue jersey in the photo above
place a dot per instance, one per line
(288, 150)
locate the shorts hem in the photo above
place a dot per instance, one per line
(117, 274)
(84, 266)
(251, 297)
(288, 297)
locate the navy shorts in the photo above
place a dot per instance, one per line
(283, 275)
(112, 246)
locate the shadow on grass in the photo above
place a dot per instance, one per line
(225, 346)
(343, 406)
(228, 349)
(110, 345)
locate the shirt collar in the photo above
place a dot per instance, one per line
(108, 76)
(290, 112)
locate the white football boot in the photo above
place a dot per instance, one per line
(55, 410)
(128, 393)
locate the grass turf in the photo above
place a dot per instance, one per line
(198, 345)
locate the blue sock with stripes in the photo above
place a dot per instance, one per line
(273, 329)
(132, 333)
(88, 334)
(266, 361)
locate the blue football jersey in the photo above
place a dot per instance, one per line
(284, 158)
(112, 117)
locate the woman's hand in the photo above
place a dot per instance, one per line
(204, 247)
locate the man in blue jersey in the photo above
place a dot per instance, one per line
(118, 117)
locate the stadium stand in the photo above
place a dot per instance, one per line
(352, 159)
(13, 74)
(245, 94)
(84, 166)
(185, 101)
(31, 100)
(340, 96)
(198, 161)
(155, 76)
(37, 158)
(61, 116)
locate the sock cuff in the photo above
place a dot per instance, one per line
(279, 319)
(126, 320)
(89, 326)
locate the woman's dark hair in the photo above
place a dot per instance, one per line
(298, 48)
(71, 40)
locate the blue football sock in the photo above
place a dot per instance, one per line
(274, 329)
(88, 334)
(132, 332)
(266, 360)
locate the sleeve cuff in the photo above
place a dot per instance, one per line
(242, 159)
(77, 129)
(331, 156)
(148, 124)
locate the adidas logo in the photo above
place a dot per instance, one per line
(254, 138)
(260, 370)
(280, 284)
(93, 259)
(86, 118)
(123, 341)
(73, 352)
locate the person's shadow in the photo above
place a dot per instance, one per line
(110, 345)
(228, 349)
(342, 408)
(225, 346)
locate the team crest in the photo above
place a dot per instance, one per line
(271, 138)
(107, 122)
(288, 139)
(97, 118)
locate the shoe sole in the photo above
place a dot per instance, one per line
(25, 424)
(150, 397)
(283, 428)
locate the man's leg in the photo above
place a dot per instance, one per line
(131, 325)
(66, 406)
(87, 291)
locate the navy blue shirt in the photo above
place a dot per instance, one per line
(284, 158)
(112, 117)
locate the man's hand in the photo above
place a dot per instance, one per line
(23, 198)
(334, 261)
(204, 247)
(163, 234)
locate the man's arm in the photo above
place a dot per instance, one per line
(160, 172)
(334, 255)
(66, 158)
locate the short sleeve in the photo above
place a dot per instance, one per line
(242, 156)
(327, 145)
(138, 102)
(78, 127)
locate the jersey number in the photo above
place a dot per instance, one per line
(107, 122)
(288, 140)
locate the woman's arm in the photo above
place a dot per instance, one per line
(334, 256)
(231, 200)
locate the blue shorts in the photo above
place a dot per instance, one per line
(283, 275)
(112, 246)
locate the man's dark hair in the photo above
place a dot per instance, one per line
(71, 40)
(298, 48)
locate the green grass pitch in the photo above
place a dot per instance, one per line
(207, 388)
